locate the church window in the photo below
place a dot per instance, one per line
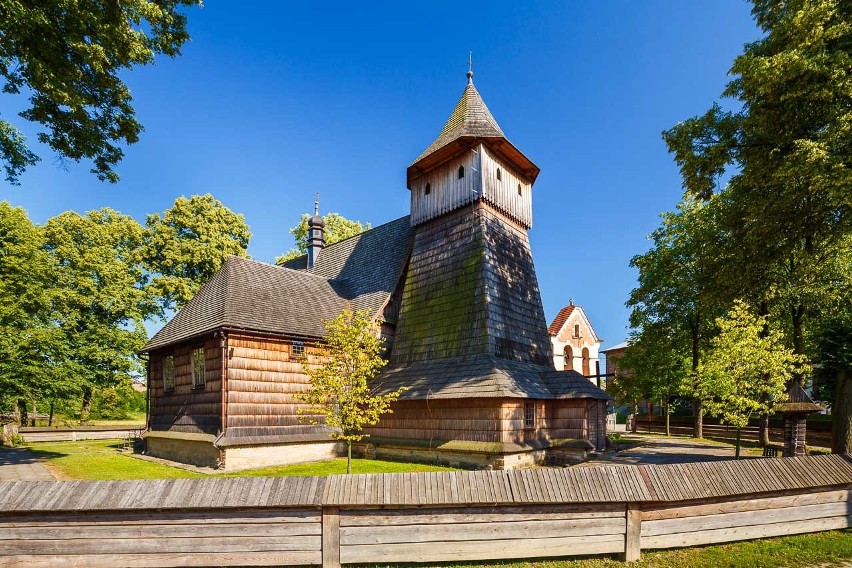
(577, 330)
(169, 373)
(529, 414)
(586, 371)
(428, 188)
(298, 348)
(461, 172)
(568, 356)
(499, 175)
(519, 190)
(198, 367)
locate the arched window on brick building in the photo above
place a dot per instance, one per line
(586, 372)
(569, 358)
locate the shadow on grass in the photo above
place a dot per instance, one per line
(21, 456)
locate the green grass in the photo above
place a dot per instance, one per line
(102, 460)
(817, 549)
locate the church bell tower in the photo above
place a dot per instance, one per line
(471, 291)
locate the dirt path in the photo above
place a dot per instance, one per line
(664, 451)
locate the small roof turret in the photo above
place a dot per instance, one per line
(470, 121)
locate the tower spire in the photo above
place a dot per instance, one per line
(316, 203)
(470, 68)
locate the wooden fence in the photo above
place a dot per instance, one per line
(419, 517)
(817, 434)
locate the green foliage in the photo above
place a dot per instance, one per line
(340, 395)
(747, 369)
(120, 402)
(337, 228)
(71, 73)
(188, 244)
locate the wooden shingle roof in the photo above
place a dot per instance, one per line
(470, 121)
(360, 272)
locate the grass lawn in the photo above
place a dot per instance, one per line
(102, 460)
(818, 549)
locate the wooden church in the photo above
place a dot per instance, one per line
(454, 288)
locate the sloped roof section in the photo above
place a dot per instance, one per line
(368, 265)
(256, 296)
(560, 320)
(470, 118)
(465, 377)
(571, 384)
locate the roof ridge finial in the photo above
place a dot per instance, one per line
(316, 203)
(470, 68)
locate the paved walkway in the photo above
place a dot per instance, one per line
(663, 451)
(20, 464)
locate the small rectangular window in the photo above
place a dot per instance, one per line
(529, 414)
(198, 367)
(169, 373)
(298, 348)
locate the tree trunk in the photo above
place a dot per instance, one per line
(697, 407)
(764, 430)
(635, 415)
(33, 415)
(841, 413)
(668, 418)
(50, 417)
(737, 454)
(348, 456)
(87, 404)
(22, 412)
(797, 316)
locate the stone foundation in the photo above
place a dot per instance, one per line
(195, 449)
(252, 457)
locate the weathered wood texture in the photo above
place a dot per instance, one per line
(187, 408)
(264, 375)
(428, 535)
(425, 517)
(221, 537)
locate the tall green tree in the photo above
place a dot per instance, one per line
(787, 149)
(341, 392)
(187, 245)
(67, 56)
(104, 295)
(747, 369)
(337, 228)
(33, 353)
(674, 302)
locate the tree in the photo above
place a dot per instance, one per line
(747, 369)
(340, 391)
(103, 297)
(33, 353)
(337, 228)
(67, 56)
(677, 293)
(188, 244)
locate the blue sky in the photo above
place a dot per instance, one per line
(272, 101)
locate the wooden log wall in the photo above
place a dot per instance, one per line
(264, 375)
(425, 517)
(186, 408)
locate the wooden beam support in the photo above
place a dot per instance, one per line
(331, 537)
(632, 538)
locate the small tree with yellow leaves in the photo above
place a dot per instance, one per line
(340, 390)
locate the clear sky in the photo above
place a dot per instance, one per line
(272, 101)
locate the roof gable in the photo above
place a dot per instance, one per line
(565, 314)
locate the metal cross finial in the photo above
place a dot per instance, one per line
(470, 68)
(316, 203)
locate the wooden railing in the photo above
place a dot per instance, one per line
(420, 517)
(656, 425)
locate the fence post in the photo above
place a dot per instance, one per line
(331, 537)
(632, 537)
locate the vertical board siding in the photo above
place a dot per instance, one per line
(447, 192)
(187, 409)
(503, 193)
